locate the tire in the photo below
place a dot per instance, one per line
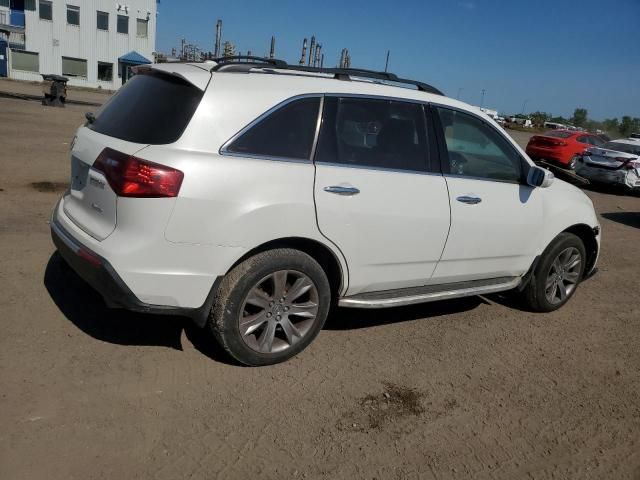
(256, 327)
(535, 294)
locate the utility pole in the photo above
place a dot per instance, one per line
(272, 50)
(482, 99)
(386, 63)
(321, 60)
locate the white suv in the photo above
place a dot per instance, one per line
(251, 196)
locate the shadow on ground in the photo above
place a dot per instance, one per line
(617, 190)
(631, 219)
(351, 318)
(84, 307)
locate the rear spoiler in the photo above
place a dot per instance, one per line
(196, 76)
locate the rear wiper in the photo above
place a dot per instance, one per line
(90, 117)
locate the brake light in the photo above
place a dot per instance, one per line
(130, 176)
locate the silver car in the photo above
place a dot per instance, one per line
(615, 163)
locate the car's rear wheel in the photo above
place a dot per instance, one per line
(271, 306)
(557, 274)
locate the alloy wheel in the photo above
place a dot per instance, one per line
(563, 275)
(278, 311)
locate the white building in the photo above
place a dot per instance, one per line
(92, 42)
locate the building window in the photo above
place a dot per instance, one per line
(73, 15)
(142, 27)
(46, 12)
(105, 71)
(74, 67)
(102, 20)
(27, 61)
(123, 24)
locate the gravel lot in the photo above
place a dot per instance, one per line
(466, 389)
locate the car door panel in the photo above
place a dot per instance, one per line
(493, 237)
(495, 217)
(392, 232)
(375, 197)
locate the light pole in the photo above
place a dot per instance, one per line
(459, 91)
(482, 99)
(523, 105)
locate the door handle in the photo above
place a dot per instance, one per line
(469, 199)
(340, 190)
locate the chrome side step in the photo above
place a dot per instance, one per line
(429, 293)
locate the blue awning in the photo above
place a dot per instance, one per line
(133, 58)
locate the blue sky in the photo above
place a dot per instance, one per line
(554, 54)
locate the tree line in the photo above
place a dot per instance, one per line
(613, 126)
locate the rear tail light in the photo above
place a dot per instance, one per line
(129, 176)
(559, 143)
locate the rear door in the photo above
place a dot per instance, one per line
(495, 216)
(152, 109)
(376, 195)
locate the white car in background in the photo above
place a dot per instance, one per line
(615, 163)
(251, 196)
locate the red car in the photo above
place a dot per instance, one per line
(562, 147)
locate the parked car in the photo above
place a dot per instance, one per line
(252, 196)
(615, 163)
(562, 147)
(634, 136)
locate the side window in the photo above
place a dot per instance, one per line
(598, 142)
(287, 133)
(584, 139)
(373, 133)
(476, 149)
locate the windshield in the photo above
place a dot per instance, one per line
(622, 147)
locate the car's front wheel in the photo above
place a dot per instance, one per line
(271, 306)
(557, 274)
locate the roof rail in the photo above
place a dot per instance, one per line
(247, 60)
(347, 73)
(246, 63)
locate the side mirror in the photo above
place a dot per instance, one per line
(539, 177)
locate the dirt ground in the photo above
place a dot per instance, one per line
(465, 389)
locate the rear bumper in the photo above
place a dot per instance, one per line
(546, 154)
(622, 177)
(102, 277)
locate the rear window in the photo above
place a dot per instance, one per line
(152, 109)
(558, 134)
(622, 147)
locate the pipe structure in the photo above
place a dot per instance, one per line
(312, 50)
(216, 50)
(304, 52)
(272, 50)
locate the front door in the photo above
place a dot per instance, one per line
(376, 198)
(495, 216)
